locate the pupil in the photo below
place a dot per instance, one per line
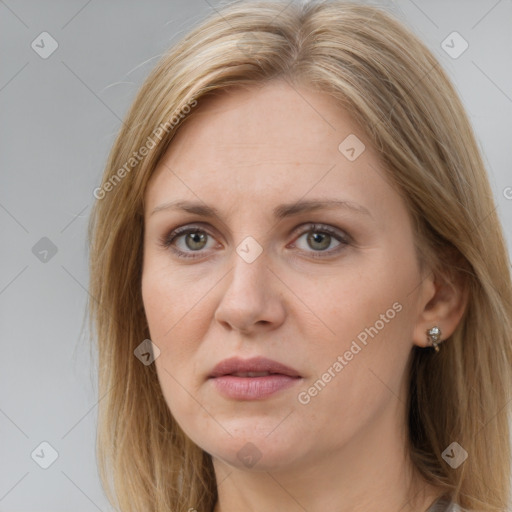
(196, 238)
(318, 237)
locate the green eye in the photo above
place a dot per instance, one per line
(195, 240)
(189, 241)
(322, 239)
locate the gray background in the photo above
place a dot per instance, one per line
(59, 118)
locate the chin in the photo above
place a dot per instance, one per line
(254, 451)
(254, 457)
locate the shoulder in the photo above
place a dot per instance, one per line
(453, 507)
(445, 504)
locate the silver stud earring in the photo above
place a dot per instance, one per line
(434, 336)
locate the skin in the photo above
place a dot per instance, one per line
(244, 153)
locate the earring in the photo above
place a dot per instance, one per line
(434, 335)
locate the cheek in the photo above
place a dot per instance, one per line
(367, 318)
(170, 297)
(359, 372)
(178, 314)
(176, 324)
(357, 299)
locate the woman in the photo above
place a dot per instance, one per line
(302, 295)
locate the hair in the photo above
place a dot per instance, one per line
(406, 106)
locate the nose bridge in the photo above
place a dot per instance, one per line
(249, 297)
(249, 272)
(250, 258)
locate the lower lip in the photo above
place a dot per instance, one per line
(252, 388)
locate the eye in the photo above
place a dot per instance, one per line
(186, 240)
(320, 237)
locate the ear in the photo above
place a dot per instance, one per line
(442, 303)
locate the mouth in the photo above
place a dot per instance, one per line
(252, 374)
(252, 379)
(254, 367)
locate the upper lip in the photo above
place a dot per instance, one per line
(255, 364)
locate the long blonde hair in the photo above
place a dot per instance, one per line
(396, 90)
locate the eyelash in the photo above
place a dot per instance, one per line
(167, 240)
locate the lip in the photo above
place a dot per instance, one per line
(252, 388)
(255, 364)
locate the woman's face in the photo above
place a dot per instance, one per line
(333, 292)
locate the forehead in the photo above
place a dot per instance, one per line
(274, 116)
(263, 144)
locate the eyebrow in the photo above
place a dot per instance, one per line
(280, 212)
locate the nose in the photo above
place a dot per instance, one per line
(252, 298)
